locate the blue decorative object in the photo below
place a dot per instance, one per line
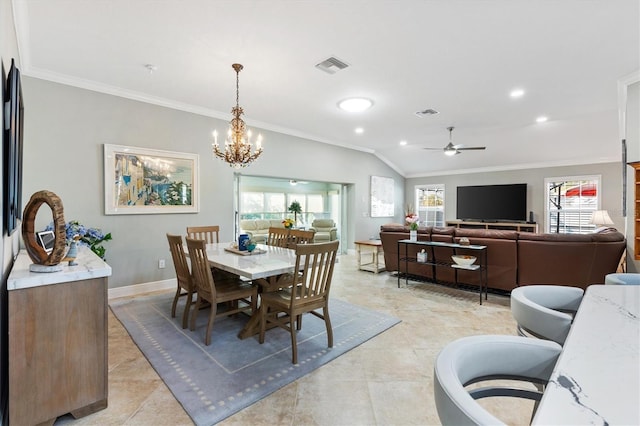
(72, 253)
(243, 242)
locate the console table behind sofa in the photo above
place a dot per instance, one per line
(518, 258)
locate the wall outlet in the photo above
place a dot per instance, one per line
(161, 264)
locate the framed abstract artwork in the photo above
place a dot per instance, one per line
(149, 181)
(382, 197)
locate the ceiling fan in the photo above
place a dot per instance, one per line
(452, 149)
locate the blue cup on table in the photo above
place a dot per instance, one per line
(243, 242)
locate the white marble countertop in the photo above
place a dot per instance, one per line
(89, 265)
(597, 377)
(275, 261)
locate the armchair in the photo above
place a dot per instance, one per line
(325, 230)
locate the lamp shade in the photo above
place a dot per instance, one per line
(601, 218)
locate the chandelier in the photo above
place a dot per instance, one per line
(237, 145)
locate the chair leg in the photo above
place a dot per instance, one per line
(175, 302)
(254, 303)
(294, 344)
(263, 322)
(187, 307)
(299, 322)
(212, 318)
(194, 314)
(327, 322)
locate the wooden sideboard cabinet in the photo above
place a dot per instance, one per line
(57, 340)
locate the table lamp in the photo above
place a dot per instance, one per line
(601, 218)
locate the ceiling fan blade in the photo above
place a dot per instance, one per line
(472, 148)
(433, 149)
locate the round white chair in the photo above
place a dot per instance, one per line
(545, 311)
(480, 358)
(622, 279)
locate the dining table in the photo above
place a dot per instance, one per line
(264, 265)
(596, 379)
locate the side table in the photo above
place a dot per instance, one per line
(373, 247)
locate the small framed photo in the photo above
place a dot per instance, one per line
(149, 181)
(47, 240)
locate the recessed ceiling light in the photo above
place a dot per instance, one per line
(359, 130)
(541, 119)
(403, 143)
(517, 93)
(355, 104)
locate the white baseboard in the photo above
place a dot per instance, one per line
(136, 289)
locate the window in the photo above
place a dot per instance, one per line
(430, 202)
(271, 205)
(570, 203)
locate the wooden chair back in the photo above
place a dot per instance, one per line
(210, 234)
(202, 276)
(278, 237)
(300, 236)
(315, 263)
(179, 257)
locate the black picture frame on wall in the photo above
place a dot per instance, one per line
(12, 149)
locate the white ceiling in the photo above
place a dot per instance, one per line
(461, 58)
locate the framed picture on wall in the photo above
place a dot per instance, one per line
(149, 181)
(382, 197)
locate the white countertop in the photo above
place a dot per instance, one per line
(597, 377)
(89, 266)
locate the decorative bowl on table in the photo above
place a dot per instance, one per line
(463, 260)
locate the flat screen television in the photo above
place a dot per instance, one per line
(492, 203)
(13, 124)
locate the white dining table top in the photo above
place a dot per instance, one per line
(275, 261)
(597, 377)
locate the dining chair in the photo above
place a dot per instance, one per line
(183, 276)
(278, 237)
(309, 291)
(211, 234)
(545, 311)
(214, 292)
(500, 362)
(300, 236)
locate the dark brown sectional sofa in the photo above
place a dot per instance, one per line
(514, 258)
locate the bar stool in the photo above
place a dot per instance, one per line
(479, 358)
(622, 279)
(545, 311)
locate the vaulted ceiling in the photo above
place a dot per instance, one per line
(459, 57)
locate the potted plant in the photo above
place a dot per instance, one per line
(295, 208)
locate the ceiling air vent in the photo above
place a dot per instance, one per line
(331, 65)
(427, 112)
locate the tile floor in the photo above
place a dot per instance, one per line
(386, 381)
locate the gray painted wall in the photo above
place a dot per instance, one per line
(534, 178)
(66, 127)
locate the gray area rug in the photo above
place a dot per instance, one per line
(216, 381)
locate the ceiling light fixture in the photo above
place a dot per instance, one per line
(541, 119)
(517, 93)
(359, 130)
(237, 145)
(355, 104)
(403, 143)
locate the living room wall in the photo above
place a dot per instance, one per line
(65, 128)
(611, 174)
